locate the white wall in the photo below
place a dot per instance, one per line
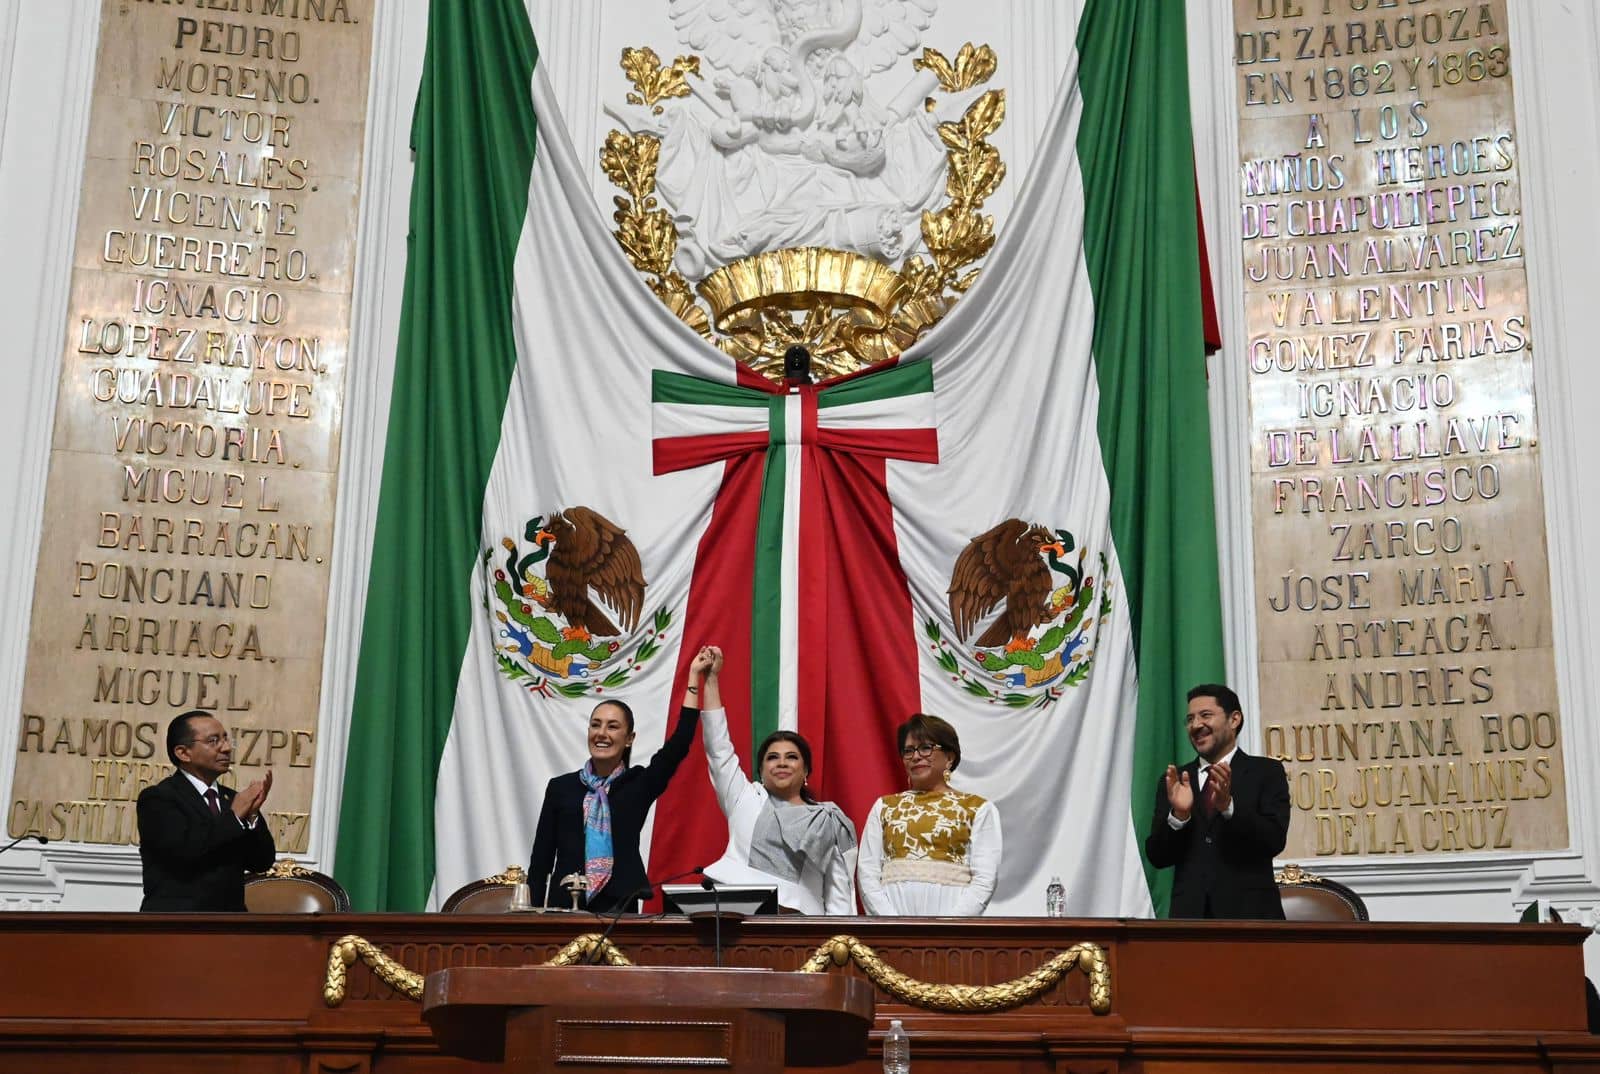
(46, 66)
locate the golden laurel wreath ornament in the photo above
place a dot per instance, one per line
(849, 310)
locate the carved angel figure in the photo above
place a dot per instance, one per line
(786, 145)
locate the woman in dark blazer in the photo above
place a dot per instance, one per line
(591, 818)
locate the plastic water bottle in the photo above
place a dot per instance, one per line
(896, 1050)
(1055, 899)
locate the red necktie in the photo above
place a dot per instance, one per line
(211, 800)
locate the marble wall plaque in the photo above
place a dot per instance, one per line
(1402, 583)
(194, 460)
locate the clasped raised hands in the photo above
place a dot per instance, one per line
(707, 663)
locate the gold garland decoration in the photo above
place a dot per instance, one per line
(838, 951)
(581, 950)
(347, 949)
(958, 234)
(344, 953)
(967, 999)
(844, 330)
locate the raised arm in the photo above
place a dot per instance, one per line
(722, 761)
(869, 867)
(702, 677)
(703, 690)
(984, 860)
(672, 752)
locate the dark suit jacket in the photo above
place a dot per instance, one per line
(558, 843)
(193, 859)
(1224, 866)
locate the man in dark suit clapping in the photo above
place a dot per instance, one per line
(197, 838)
(1221, 818)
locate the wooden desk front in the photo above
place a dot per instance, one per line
(155, 994)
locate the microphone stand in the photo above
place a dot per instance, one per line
(716, 895)
(23, 838)
(616, 916)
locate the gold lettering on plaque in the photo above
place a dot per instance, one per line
(1402, 581)
(190, 505)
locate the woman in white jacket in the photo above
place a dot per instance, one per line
(778, 833)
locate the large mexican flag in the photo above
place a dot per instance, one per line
(578, 491)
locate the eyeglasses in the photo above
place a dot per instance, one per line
(924, 750)
(213, 741)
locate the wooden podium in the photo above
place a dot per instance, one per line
(610, 1018)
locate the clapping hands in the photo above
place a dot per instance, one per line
(1180, 795)
(248, 802)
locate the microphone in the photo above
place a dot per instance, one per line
(716, 894)
(622, 908)
(23, 838)
(797, 366)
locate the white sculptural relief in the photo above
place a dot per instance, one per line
(782, 143)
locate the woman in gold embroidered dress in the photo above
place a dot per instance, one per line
(931, 851)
